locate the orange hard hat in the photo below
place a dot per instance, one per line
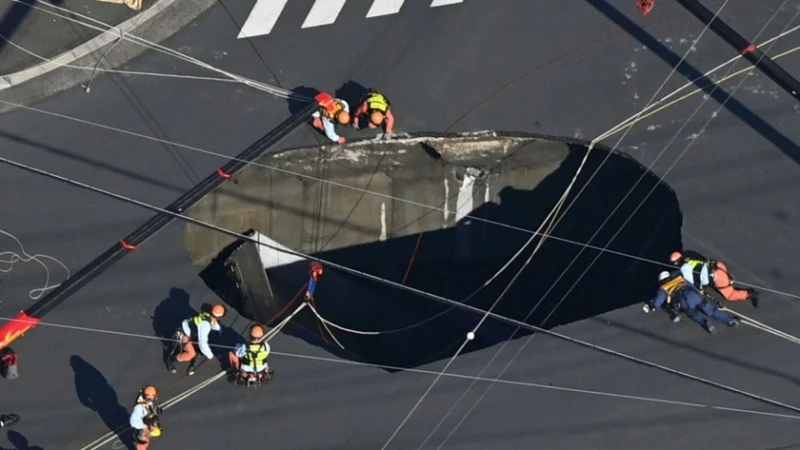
(376, 117)
(675, 257)
(218, 311)
(256, 331)
(149, 391)
(343, 117)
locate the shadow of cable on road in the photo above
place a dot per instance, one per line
(15, 15)
(683, 345)
(735, 107)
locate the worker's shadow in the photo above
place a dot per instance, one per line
(95, 393)
(298, 99)
(353, 93)
(20, 442)
(168, 315)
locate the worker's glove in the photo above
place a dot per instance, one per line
(647, 308)
(159, 410)
(387, 136)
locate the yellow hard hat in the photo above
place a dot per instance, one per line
(155, 432)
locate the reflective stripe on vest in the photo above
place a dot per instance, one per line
(256, 355)
(377, 102)
(672, 285)
(329, 107)
(201, 317)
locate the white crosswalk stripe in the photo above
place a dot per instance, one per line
(324, 12)
(265, 13)
(384, 7)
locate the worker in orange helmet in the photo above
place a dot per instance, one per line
(332, 112)
(250, 360)
(378, 110)
(195, 329)
(701, 271)
(144, 417)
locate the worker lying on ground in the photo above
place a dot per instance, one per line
(144, 417)
(702, 271)
(198, 327)
(8, 419)
(676, 295)
(330, 110)
(378, 110)
(250, 360)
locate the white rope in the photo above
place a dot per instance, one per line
(121, 72)
(763, 327)
(574, 200)
(9, 258)
(386, 196)
(112, 435)
(341, 328)
(279, 92)
(622, 227)
(402, 287)
(524, 384)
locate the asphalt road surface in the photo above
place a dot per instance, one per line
(737, 183)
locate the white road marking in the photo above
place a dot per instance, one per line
(436, 3)
(262, 18)
(384, 7)
(324, 12)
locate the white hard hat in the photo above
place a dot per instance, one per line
(663, 276)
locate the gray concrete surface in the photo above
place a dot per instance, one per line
(47, 35)
(736, 188)
(163, 21)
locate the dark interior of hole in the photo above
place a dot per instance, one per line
(612, 282)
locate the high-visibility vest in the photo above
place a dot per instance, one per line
(255, 355)
(377, 102)
(329, 107)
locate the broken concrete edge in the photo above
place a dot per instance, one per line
(434, 137)
(157, 23)
(368, 144)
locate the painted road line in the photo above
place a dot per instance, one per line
(436, 3)
(384, 7)
(324, 12)
(262, 18)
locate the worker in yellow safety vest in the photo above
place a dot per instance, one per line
(195, 329)
(378, 110)
(250, 359)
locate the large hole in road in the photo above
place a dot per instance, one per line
(474, 182)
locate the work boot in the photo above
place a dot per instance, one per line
(8, 419)
(709, 328)
(192, 367)
(171, 360)
(734, 322)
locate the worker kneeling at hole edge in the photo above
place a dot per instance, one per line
(144, 419)
(701, 271)
(677, 296)
(195, 329)
(332, 112)
(249, 361)
(378, 110)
